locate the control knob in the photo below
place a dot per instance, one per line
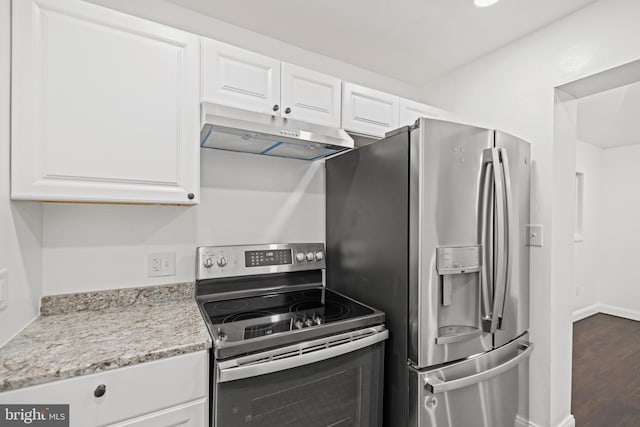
(310, 256)
(317, 320)
(222, 261)
(208, 262)
(222, 337)
(319, 256)
(308, 321)
(300, 256)
(298, 324)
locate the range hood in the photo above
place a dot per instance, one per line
(233, 129)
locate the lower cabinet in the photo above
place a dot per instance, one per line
(192, 414)
(167, 392)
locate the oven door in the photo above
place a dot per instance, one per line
(335, 381)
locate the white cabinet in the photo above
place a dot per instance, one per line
(239, 78)
(163, 392)
(410, 111)
(310, 96)
(368, 111)
(250, 81)
(104, 106)
(192, 414)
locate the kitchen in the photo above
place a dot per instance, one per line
(254, 199)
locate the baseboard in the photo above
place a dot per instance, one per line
(583, 313)
(626, 313)
(521, 422)
(567, 422)
(620, 312)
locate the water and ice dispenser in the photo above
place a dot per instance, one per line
(459, 272)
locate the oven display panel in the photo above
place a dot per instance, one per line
(267, 257)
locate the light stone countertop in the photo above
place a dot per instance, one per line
(112, 329)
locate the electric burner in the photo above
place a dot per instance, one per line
(231, 305)
(236, 317)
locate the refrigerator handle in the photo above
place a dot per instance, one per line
(437, 385)
(499, 278)
(510, 233)
(486, 205)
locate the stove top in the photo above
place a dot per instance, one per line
(271, 295)
(246, 325)
(268, 314)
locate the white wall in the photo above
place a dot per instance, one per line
(20, 223)
(588, 252)
(621, 230)
(244, 199)
(513, 89)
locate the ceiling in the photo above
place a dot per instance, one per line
(413, 41)
(611, 118)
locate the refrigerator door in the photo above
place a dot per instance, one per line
(490, 390)
(513, 299)
(447, 291)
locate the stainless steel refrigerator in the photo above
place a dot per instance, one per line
(428, 225)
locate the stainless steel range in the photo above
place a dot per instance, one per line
(287, 351)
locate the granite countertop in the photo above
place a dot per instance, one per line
(80, 334)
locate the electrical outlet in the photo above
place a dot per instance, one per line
(4, 287)
(161, 264)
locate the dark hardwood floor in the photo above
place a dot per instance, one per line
(606, 372)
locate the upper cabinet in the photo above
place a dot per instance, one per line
(310, 96)
(250, 81)
(368, 111)
(410, 111)
(104, 106)
(239, 78)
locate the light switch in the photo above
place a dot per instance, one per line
(4, 287)
(534, 235)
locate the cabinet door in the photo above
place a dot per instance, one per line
(129, 392)
(368, 111)
(193, 414)
(239, 78)
(310, 96)
(410, 111)
(104, 106)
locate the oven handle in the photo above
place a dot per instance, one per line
(231, 371)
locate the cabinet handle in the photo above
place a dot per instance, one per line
(276, 107)
(100, 390)
(287, 111)
(191, 196)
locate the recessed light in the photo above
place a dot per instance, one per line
(485, 3)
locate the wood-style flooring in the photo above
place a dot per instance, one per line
(606, 372)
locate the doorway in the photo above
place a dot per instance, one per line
(606, 274)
